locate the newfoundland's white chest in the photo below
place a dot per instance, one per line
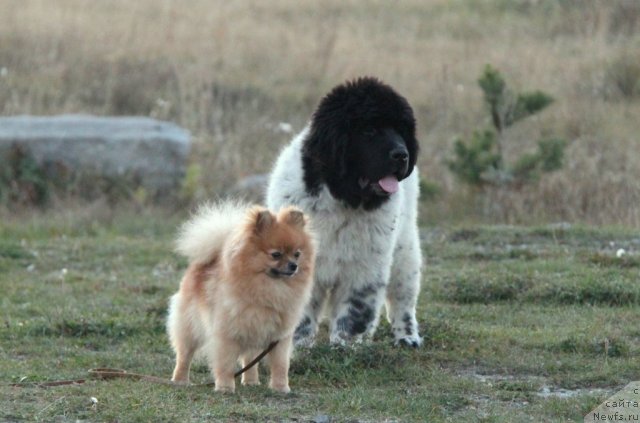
(351, 242)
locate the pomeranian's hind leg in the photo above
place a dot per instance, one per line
(184, 344)
(183, 339)
(222, 361)
(250, 376)
(184, 356)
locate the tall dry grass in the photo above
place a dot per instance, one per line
(231, 71)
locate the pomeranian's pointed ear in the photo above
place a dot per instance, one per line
(263, 220)
(295, 218)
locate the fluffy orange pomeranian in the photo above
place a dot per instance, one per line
(249, 278)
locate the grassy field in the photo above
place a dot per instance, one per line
(231, 72)
(520, 324)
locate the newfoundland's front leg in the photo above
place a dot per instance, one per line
(355, 312)
(304, 335)
(402, 293)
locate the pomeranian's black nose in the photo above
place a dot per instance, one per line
(399, 154)
(292, 267)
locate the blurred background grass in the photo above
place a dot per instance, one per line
(232, 72)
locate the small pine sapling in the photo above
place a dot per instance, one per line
(480, 162)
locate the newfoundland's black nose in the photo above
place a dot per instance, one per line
(399, 154)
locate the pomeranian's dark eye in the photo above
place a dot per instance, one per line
(276, 255)
(297, 254)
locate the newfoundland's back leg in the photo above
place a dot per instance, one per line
(403, 290)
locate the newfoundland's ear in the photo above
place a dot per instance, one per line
(294, 217)
(263, 219)
(326, 146)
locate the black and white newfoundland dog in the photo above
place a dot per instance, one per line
(352, 169)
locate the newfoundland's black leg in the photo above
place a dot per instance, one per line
(304, 335)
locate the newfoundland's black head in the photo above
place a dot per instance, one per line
(361, 143)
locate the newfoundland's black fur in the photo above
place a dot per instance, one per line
(361, 132)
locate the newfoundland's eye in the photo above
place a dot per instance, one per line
(297, 254)
(370, 132)
(276, 255)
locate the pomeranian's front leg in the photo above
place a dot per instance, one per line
(223, 362)
(279, 364)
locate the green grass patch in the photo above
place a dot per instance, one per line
(506, 312)
(611, 260)
(484, 289)
(607, 347)
(605, 288)
(114, 329)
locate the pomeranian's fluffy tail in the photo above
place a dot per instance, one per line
(203, 236)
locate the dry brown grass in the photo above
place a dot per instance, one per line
(230, 71)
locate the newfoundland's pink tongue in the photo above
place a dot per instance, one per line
(389, 184)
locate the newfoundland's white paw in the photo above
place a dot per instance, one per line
(409, 341)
